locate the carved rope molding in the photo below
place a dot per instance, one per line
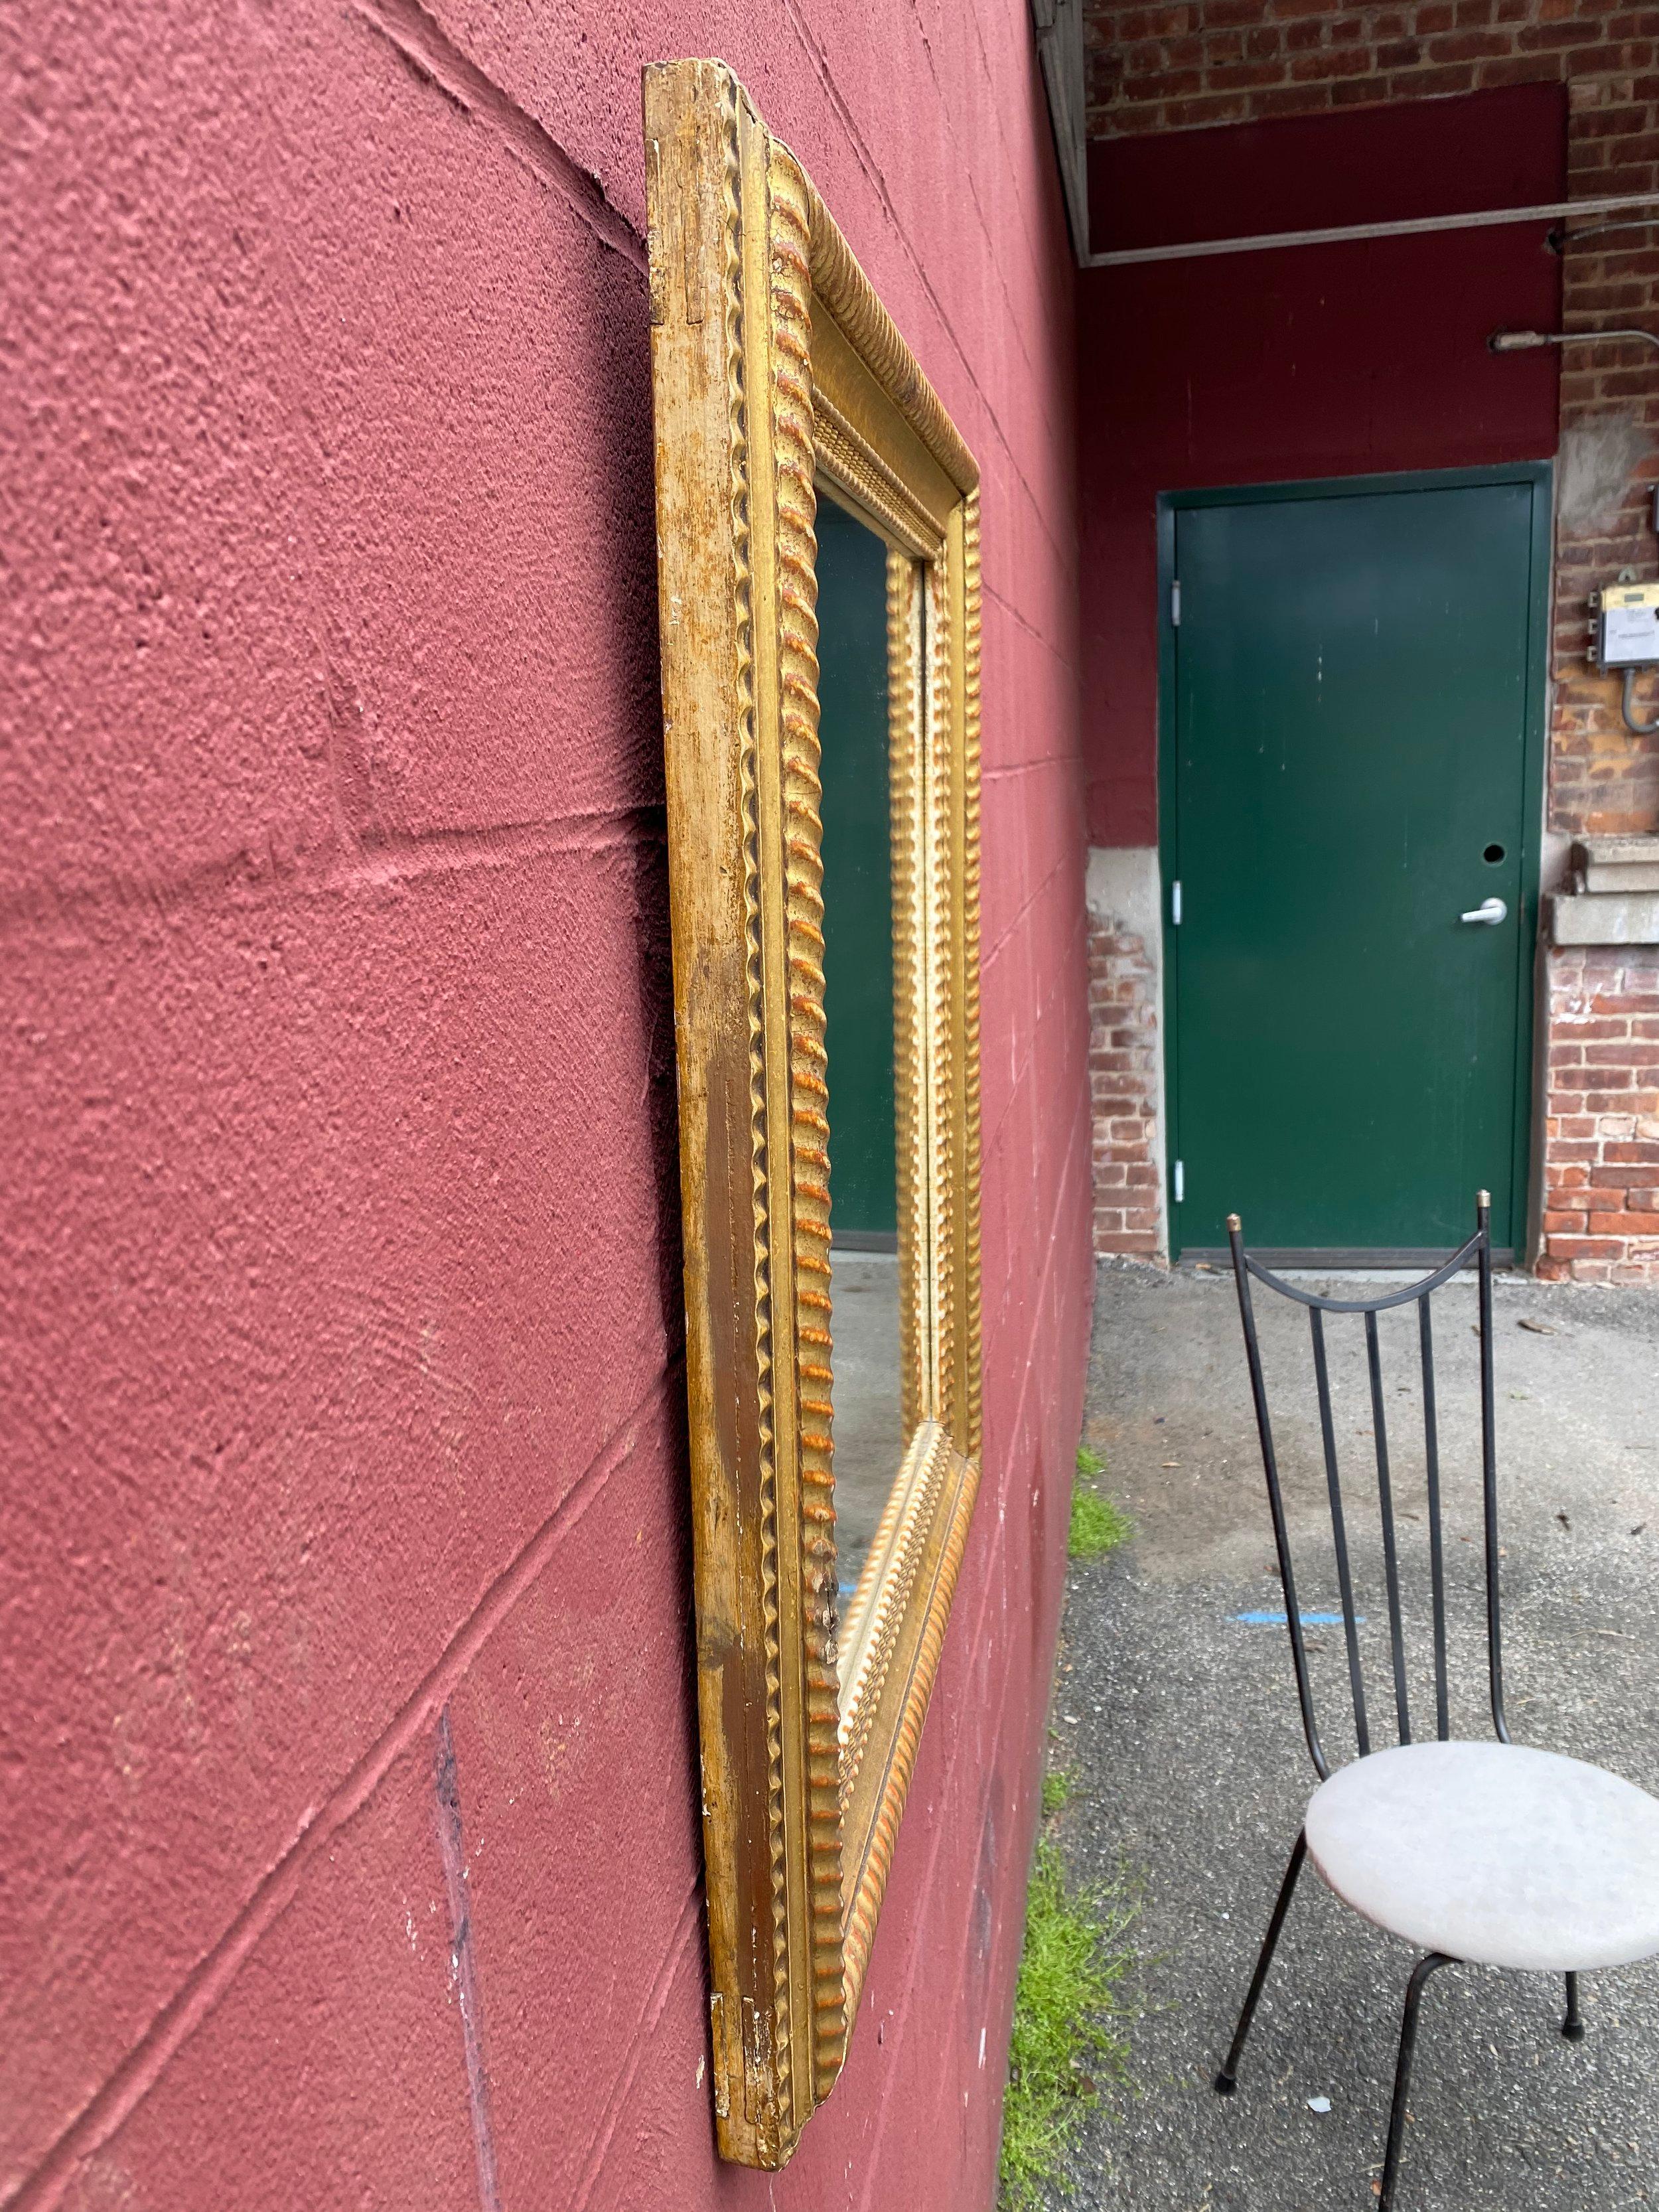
(940, 886)
(766, 2039)
(793, 457)
(907, 782)
(769, 2043)
(969, 772)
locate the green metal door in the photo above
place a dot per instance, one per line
(1353, 691)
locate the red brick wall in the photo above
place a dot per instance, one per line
(1602, 1200)
(1124, 1086)
(1602, 777)
(1603, 1026)
(1247, 61)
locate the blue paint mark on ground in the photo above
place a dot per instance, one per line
(1308, 1619)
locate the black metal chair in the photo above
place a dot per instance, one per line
(1487, 1853)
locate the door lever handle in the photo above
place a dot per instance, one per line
(1493, 910)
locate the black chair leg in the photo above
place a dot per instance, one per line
(1227, 2080)
(1403, 2072)
(1573, 2025)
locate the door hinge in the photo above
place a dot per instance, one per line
(1175, 604)
(1180, 1183)
(1175, 903)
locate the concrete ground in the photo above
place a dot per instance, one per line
(1180, 1717)
(869, 1425)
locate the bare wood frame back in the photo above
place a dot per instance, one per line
(779, 375)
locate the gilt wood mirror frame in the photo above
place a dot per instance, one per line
(780, 381)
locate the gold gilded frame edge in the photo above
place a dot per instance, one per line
(775, 368)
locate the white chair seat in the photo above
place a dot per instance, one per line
(1494, 1853)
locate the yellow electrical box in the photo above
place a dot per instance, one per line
(1628, 625)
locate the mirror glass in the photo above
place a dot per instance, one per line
(858, 997)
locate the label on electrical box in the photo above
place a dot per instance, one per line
(1628, 635)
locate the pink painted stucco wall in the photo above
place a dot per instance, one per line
(349, 1848)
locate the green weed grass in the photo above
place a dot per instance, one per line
(1071, 2021)
(1097, 1526)
(1058, 1784)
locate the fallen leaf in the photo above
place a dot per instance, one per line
(1563, 1519)
(1538, 1327)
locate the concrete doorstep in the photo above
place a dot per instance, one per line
(1175, 1704)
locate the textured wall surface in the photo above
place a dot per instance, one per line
(349, 1850)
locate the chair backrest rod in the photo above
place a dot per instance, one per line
(1390, 1550)
(1339, 1531)
(1444, 1274)
(1275, 1502)
(1437, 1542)
(1489, 1467)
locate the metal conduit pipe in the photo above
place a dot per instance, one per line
(1357, 232)
(1558, 240)
(1626, 706)
(1527, 341)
